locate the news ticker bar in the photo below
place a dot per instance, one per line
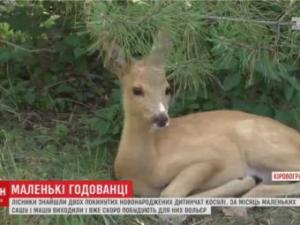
(137, 206)
(115, 197)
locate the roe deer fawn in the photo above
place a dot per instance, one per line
(215, 154)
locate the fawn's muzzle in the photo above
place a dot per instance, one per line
(161, 120)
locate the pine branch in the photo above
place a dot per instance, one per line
(26, 49)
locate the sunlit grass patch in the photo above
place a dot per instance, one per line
(45, 153)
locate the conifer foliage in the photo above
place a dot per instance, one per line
(237, 54)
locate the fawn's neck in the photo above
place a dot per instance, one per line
(137, 137)
(136, 149)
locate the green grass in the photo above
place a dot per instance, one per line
(39, 146)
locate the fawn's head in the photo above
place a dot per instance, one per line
(146, 92)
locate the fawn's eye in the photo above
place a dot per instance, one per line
(168, 91)
(137, 91)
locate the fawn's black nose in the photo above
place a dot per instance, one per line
(161, 120)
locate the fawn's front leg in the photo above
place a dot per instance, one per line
(233, 188)
(197, 175)
(190, 179)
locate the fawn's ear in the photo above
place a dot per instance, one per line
(115, 59)
(161, 48)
